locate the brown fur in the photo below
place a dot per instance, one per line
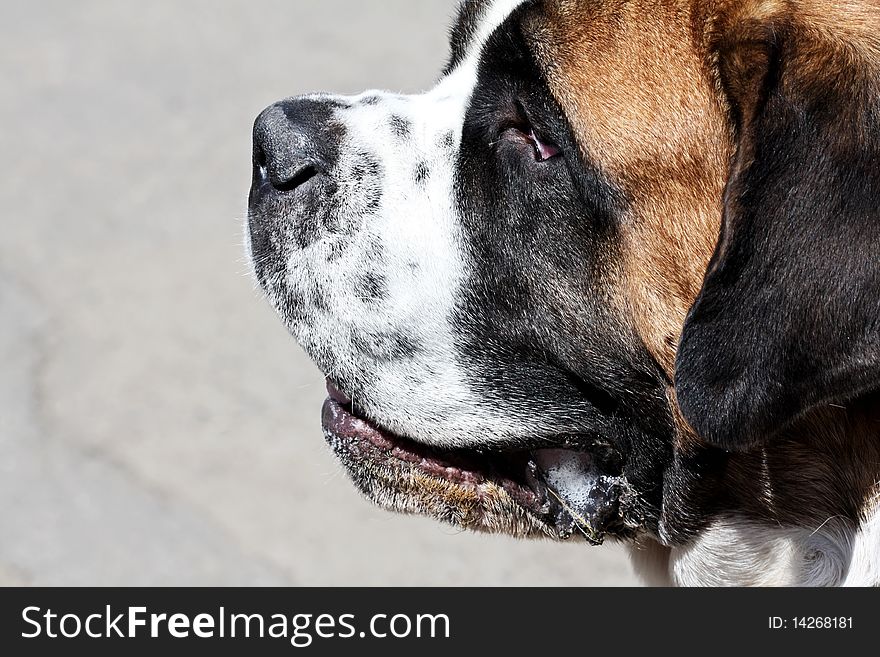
(658, 131)
(825, 467)
(653, 89)
(400, 486)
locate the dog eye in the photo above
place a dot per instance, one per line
(544, 150)
(525, 134)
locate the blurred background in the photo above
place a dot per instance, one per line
(157, 424)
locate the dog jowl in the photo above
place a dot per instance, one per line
(495, 275)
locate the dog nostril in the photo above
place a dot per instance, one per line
(300, 177)
(260, 158)
(261, 171)
(290, 145)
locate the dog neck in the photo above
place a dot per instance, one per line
(802, 510)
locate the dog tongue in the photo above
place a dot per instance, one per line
(589, 498)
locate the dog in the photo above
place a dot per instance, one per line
(616, 276)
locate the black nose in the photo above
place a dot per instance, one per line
(294, 141)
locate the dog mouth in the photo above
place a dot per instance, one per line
(546, 490)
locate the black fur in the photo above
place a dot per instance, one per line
(400, 126)
(789, 314)
(464, 30)
(543, 239)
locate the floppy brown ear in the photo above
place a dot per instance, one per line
(788, 317)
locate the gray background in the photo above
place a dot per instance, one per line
(157, 424)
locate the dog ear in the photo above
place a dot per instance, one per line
(788, 317)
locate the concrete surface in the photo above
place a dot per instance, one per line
(157, 424)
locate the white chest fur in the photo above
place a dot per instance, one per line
(733, 551)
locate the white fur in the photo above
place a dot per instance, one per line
(427, 397)
(864, 566)
(734, 551)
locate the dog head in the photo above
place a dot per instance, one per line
(514, 282)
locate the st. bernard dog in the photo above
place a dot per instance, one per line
(616, 275)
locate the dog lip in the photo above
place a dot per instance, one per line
(360, 439)
(517, 472)
(345, 425)
(365, 440)
(336, 394)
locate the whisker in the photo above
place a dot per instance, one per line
(825, 523)
(579, 521)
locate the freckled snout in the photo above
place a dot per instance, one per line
(296, 150)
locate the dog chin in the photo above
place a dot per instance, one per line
(544, 491)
